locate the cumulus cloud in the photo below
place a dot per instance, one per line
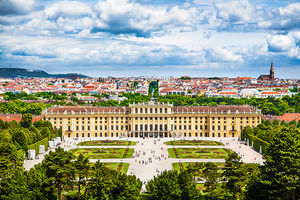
(16, 7)
(286, 45)
(290, 16)
(237, 15)
(223, 54)
(279, 43)
(128, 17)
(67, 9)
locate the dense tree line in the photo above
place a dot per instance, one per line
(272, 106)
(267, 130)
(15, 139)
(20, 107)
(62, 176)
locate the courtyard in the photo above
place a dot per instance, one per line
(150, 156)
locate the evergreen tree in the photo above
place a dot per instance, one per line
(59, 169)
(81, 169)
(281, 170)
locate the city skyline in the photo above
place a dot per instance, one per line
(152, 38)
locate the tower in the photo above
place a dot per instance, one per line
(272, 71)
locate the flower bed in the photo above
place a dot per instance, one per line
(202, 153)
(102, 153)
(107, 143)
(194, 143)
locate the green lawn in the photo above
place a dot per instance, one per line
(194, 143)
(202, 153)
(107, 143)
(176, 166)
(100, 153)
(115, 166)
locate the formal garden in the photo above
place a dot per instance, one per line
(201, 153)
(194, 143)
(103, 153)
(184, 165)
(107, 143)
(119, 167)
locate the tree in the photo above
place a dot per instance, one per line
(233, 174)
(281, 170)
(20, 138)
(26, 120)
(59, 169)
(211, 176)
(165, 186)
(15, 186)
(10, 159)
(188, 187)
(81, 165)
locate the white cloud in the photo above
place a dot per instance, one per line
(68, 9)
(128, 17)
(222, 54)
(238, 10)
(278, 43)
(235, 15)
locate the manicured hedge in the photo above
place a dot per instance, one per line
(36, 146)
(257, 142)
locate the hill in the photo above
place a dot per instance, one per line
(23, 73)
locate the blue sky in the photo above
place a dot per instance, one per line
(155, 38)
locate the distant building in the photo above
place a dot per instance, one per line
(287, 117)
(268, 77)
(248, 93)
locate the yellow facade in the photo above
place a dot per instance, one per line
(152, 120)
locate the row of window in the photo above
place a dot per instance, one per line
(96, 135)
(117, 135)
(101, 128)
(142, 127)
(151, 110)
(207, 135)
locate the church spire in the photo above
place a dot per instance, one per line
(272, 71)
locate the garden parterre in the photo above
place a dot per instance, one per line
(194, 143)
(107, 143)
(201, 153)
(103, 153)
(184, 165)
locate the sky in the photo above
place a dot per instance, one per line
(198, 38)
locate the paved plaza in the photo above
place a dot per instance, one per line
(151, 154)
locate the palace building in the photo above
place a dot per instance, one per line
(152, 120)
